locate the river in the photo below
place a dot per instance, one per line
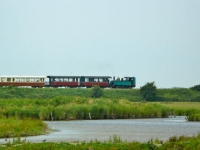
(141, 130)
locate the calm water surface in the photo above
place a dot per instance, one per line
(131, 130)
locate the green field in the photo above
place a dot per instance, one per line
(163, 95)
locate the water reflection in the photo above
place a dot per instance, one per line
(131, 130)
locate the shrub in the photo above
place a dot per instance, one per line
(148, 91)
(97, 92)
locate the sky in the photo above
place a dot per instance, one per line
(152, 40)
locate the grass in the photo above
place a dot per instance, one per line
(80, 108)
(166, 95)
(67, 108)
(114, 143)
(16, 127)
(183, 105)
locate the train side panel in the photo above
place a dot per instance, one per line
(35, 84)
(90, 84)
(67, 84)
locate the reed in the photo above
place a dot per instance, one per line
(72, 107)
(16, 127)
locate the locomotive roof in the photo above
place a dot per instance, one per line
(129, 77)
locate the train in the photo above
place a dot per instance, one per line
(67, 81)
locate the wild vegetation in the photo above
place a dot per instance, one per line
(67, 108)
(149, 91)
(18, 104)
(174, 143)
(14, 127)
(134, 95)
(71, 107)
(196, 87)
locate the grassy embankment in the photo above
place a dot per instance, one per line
(164, 95)
(174, 143)
(13, 127)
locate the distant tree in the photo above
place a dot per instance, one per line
(148, 91)
(96, 92)
(196, 88)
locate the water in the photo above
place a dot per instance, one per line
(141, 130)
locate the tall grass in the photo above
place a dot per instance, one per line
(66, 108)
(13, 127)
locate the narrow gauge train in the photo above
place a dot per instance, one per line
(67, 81)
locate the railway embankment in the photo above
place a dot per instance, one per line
(163, 95)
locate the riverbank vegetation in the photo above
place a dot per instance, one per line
(80, 108)
(174, 143)
(14, 127)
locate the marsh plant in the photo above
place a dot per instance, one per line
(13, 127)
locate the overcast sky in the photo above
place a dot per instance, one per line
(153, 40)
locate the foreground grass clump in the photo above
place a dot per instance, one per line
(27, 127)
(182, 143)
(114, 143)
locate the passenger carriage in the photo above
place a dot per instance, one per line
(63, 81)
(89, 81)
(32, 81)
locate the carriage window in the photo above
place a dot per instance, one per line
(3, 79)
(27, 79)
(37, 79)
(57, 79)
(17, 79)
(65, 79)
(41, 79)
(100, 80)
(13, 79)
(70, 79)
(32, 79)
(22, 79)
(8, 79)
(86, 79)
(96, 80)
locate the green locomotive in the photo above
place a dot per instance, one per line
(126, 82)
